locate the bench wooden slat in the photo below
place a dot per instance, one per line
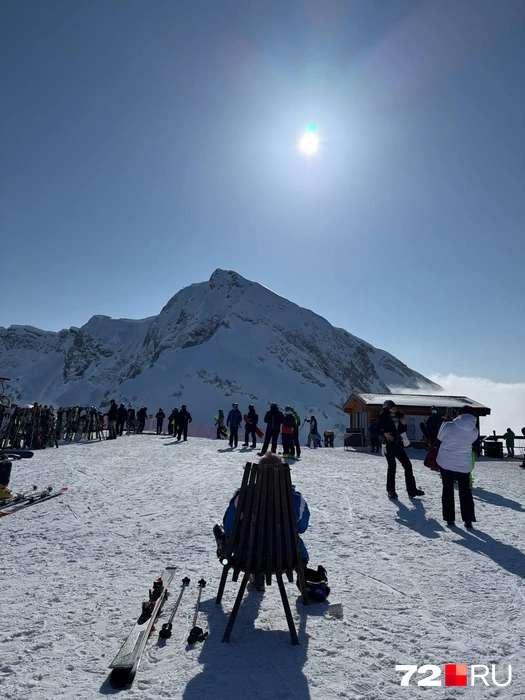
(264, 538)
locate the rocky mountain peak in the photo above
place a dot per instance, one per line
(213, 341)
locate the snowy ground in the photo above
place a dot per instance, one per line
(74, 571)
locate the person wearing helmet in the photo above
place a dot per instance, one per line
(184, 420)
(160, 415)
(250, 426)
(233, 422)
(392, 424)
(288, 427)
(433, 423)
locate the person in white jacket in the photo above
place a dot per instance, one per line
(455, 462)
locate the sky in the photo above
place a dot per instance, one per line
(144, 145)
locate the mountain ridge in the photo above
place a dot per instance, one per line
(227, 337)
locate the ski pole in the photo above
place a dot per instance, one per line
(167, 626)
(197, 634)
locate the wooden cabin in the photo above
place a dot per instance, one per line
(363, 408)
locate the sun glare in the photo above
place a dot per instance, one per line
(309, 143)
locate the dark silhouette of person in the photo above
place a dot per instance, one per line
(273, 419)
(160, 415)
(250, 426)
(184, 420)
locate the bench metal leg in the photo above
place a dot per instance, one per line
(222, 584)
(287, 611)
(237, 605)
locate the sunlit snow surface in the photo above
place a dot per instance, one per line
(75, 570)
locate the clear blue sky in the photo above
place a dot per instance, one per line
(146, 143)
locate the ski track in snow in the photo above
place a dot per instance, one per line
(75, 570)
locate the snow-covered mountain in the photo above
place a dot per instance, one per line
(214, 342)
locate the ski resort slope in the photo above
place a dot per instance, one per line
(75, 570)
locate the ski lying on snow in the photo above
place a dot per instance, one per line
(126, 662)
(20, 496)
(31, 500)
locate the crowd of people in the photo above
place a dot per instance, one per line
(279, 427)
(453, 445)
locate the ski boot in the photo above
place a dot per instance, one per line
(5, 493)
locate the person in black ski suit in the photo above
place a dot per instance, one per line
(273, 419)
(392, 425)
(184, 420)
(122, 416)
(142, 414)
(233, 422)
(433, 423)
(250, 426)
(174, 420)
(160, 415)
(131, 418)
(112, 420)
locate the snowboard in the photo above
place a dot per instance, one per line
(258, 431)
(224, 431)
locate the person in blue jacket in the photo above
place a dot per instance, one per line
(375, 435)
(233, 422)
(317, 586)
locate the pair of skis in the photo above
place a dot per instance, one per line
(29, 498)
(125, 664)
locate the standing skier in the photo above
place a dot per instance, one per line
(296, 442)
(433, 424)
(160, 415)
(393, 425)
(233, 422)
(184, 420)
(142, 414)
(288, 426)
(171, 419)
(509, 437)
(220, 424)
(312, 433)
(273, 419)
(112, 415)
(131, 419)
(175, 418)
(250, 426)
(122, 416)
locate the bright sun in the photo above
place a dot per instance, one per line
(309, 143)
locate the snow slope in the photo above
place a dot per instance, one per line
(74, 571)
(223, 340)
